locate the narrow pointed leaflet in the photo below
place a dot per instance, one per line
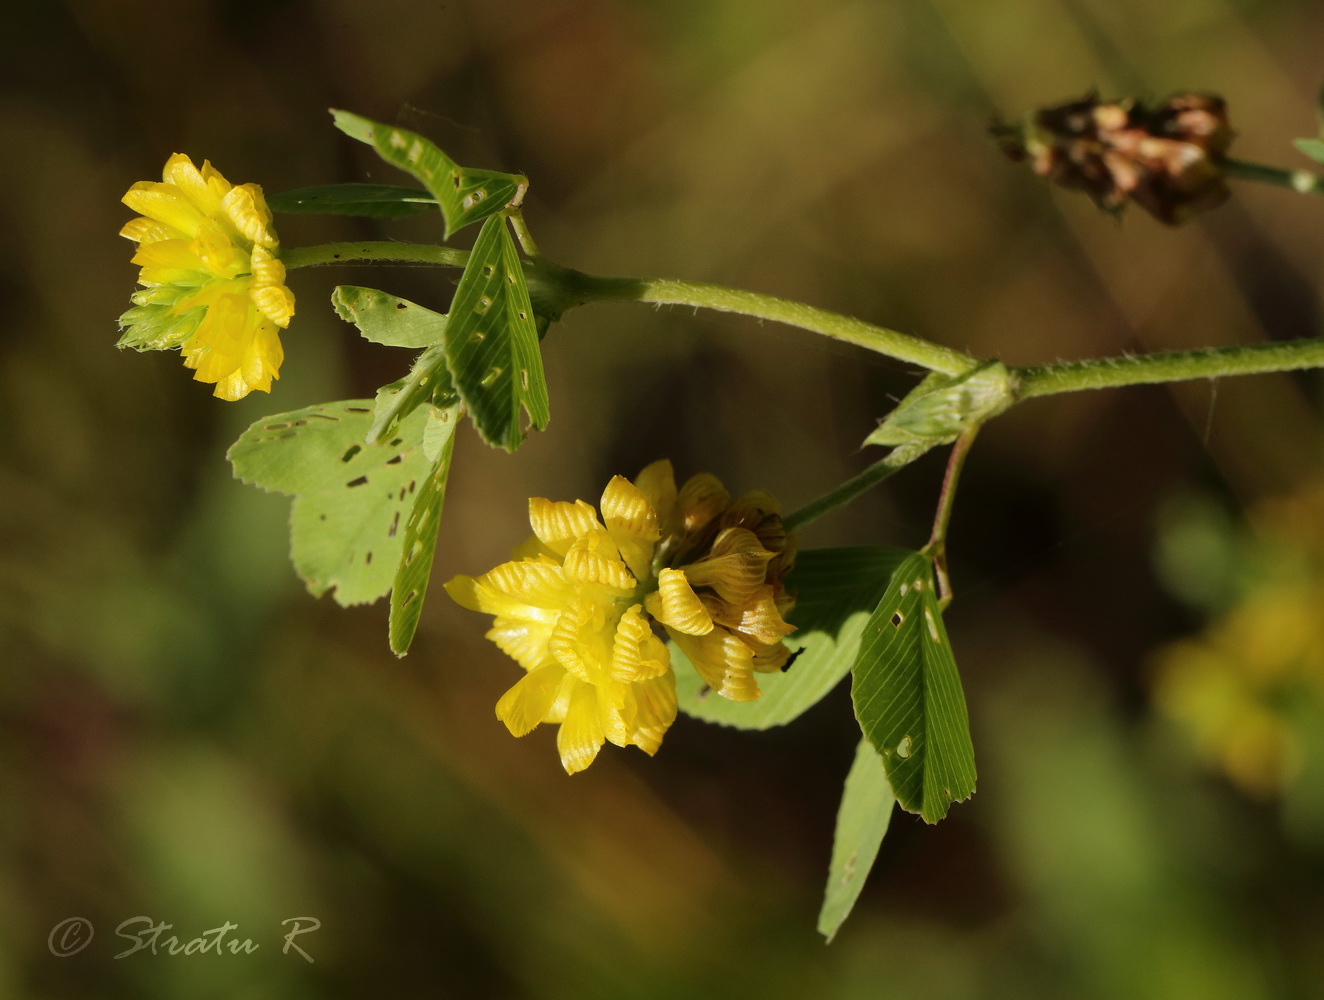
(862, 820)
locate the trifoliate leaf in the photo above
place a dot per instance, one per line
(374, 201)
(420, 541)
(492, 341)
(866, 809)
(942, 406)
(908, 697)
(836, 591)
(465, 195)
(351, 499)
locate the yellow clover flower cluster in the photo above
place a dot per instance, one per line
(212, 284)
(585, 603)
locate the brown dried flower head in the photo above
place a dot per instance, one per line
(1165, 159)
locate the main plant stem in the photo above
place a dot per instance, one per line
(566, 288)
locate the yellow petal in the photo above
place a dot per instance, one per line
(655, 712)
(144, 230)
(526, 704)
(247, 211)
(758, 618)
(631, 522)
(268, 291)
(657, 482)
(558, 524)
(594, 559)
(636, 653)
(204, 188)
(524, 589)
(167, 204)
(580, 737)
(724, 662)
(617, 710)
(581, 640)
(524, 640)
(676, 605)
(759, 512)
(736, 568)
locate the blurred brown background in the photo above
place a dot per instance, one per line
(186, 735)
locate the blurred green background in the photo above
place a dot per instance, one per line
(186, 735)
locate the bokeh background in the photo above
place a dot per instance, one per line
(186, 735)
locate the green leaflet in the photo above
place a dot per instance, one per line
(862, 819)
(942, 406)
(351, 500)
(465, 195)
(836, 590)
(385, 319)
(375, 201)
(420, 536)
(492, 341)
(908, 697)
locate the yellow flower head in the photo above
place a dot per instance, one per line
(583, 603)
(212, 285)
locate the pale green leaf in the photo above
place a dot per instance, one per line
(908, 697)
(866, 809)
(492, 341)
(1313, 148)
(386, 319)
(374, 201)
(836, 590)
(420, 541)
(466, 195)
(351, 499)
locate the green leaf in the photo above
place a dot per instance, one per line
(908, 696)
(350, 498)
(942, 406)
(385, 319)
(866, 809)
(375, 201)
(420, 541)
(465, 195)
(492, 341)
(1313, 148)
(836, 590)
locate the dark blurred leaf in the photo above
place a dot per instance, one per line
(385, 319)
(349, 497)
(376, 201)
(466, 195)
(836, 590)
(908, 696)
(862, 819)
(492, 341)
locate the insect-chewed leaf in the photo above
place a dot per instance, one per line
(466, 195)
(862, 819)
(420, 541)
(492, 341)
(375, 201)
(386, 319)
(908, 697)
(351, 499)
(836, 590)
(428, 381)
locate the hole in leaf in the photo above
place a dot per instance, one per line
(477, 337)
(484, 304)
(357, 482)
(524, 379)
(933, 625)
(354, 449)
(455, 179)
(523, 314)
(897, 619)
(395, 461)
(357, 409)
(275, 427)
(488, 270)
(412, 484)
(903, 748)
(402, 305)
(395, 524)
(409, 597)
(489, 378)
(367, 560)
(324, 416)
